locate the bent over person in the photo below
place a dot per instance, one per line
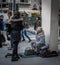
(16, 26)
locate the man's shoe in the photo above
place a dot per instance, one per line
(23, 40)
(0, 46)
(30, 40)
(14, 59)
(18, 57)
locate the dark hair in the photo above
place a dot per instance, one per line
(16, 15)
(39, 18)
(2, 16)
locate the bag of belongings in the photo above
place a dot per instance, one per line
(29, 51)
(46, 53)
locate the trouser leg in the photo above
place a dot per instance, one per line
(15, 49)
(25, 32)
(15, 56)
(39, 46)
(0, 40)
(22, 34)
(15, 37)
(11, 42)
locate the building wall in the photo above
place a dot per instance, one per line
(27, 6)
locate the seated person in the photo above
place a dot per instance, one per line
(40, 40)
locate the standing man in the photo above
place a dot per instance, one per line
(16, 25)
(0, 31)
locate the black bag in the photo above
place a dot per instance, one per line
(45, 53)
(29, 51)
(54, 54)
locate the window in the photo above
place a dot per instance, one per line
(26, 1)
(0, 0)
(3, 0)
(0, 5)
(34, 7)
(3, 5)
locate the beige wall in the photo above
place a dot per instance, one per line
(30, 6)
(50, 23)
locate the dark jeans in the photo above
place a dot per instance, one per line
(0, 40)
(15, 38)
(24, 32)
(15, 49)
(38, 46)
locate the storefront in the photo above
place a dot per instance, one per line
(30, 15)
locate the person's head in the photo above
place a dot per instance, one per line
(39, 30)
(16, 14)
(38, 18)
(9, 14)
(1, 16)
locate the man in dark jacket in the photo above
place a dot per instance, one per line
(16, 25)
(1, 29)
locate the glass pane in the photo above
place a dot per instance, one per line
(26, 0)
(21, 0)
(3, 0)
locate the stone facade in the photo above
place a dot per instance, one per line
(22, 5)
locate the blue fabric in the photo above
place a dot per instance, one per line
(24, 32)
(1, 24)
(40, 39)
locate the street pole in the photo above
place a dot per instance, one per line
(40, 3)
(40, 8)
(10, 5)
(14, 5)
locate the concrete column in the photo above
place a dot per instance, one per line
(50, 23)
